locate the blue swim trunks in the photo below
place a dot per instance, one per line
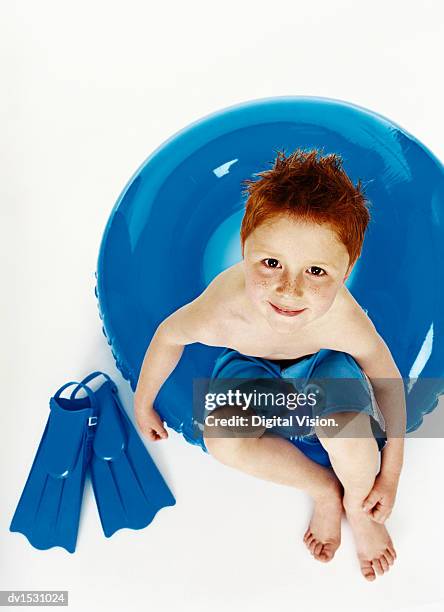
(355, 394)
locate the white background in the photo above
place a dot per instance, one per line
(88, 91)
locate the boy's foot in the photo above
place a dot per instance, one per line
(374, 545)
(323, 535)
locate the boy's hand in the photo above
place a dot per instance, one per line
(149, 422)
(380, 501)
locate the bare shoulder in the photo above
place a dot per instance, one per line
(350, 325)
(207, 318)
(357, 335)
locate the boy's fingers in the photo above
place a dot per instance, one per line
(368, 505)
(159, 428)
(159, 433)
(378, 516)
(385, 515)
(152, 435)
(148, 430)
(151, 425)
(370, 501)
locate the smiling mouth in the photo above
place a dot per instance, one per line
(285, 312)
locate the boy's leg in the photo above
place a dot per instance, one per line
(355, 461)
(353, 453)
(278, 460)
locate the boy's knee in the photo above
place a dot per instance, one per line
(351, 435)
(350, 447)
(346, 425)
(226, 450)
(228, 429)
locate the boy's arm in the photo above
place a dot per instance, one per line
(186, 325)
(374, 357)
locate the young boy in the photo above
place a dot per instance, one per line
(286, 303)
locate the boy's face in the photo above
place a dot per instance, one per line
(294, 265)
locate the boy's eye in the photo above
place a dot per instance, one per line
(317, 271)
(273, 263)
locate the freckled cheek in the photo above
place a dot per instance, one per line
(323, 296)
(257, 286)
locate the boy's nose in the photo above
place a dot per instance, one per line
(290, 290)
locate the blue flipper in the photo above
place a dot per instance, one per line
(128, 487)
(49, 508)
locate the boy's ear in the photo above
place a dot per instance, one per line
(349, 270)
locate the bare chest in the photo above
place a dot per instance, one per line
(255, 340)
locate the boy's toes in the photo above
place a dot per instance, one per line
(323, 551)
(388, 555)
(314, 546)
(323, 555)
(308, 539)
(377, 567)
(326, 554)
(367, 570)
(392, 551)
(313, 543)
(384, 563)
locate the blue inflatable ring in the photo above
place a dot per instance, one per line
(176, 226)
